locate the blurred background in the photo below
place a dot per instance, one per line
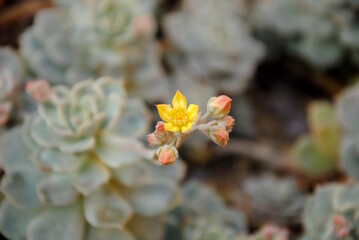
(284, 63)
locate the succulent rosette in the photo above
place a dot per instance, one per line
(212, 44)
(72, 170)
(88, 39)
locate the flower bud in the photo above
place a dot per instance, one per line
(167, 154)
(153, 140)
(160, 128)
(219, 135)
(219, 107)
(341, 226)
(227, 122)
(40, 90)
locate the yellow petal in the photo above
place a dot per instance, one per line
(179, 101)
(192, 112)
(165, 110)
(187, 127)
(170, 127)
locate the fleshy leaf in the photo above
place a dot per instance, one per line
(57, 190)
(151, 200)
(13, 221)
(58, 224)
(53, 160)
(108, 234)
(42, 134)
(91, 176)
(77, 145)
(107, 209)
(134, 120)
(114, 155)
(346, 198)
(14, 153)
(19, 187)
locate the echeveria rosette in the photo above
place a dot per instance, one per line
(332, 213)
(89, 39)
(71, 171)
(203, 215)
(212, 45)
(11, 73)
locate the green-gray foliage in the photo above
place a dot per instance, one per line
(203, 216)
(322, 32)
(274, 199)
(348, 114)
(88, 39)
(328, 203)
(76, 169)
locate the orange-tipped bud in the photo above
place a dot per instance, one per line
(219, 135)
(167, 154)
(160, 128)
(40, 90)
(219, 107)
(153, 140)
(227, 122)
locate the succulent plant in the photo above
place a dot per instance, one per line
(212, 46)
(317, 153)
(332, 213)
(203, 216)
(321, 32)
(77, 171)
(88, 39)
(11, 74)
(281, 204)
(348, 114)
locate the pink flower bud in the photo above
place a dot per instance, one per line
(144, 25)
(4, 113)
(153, 140)
(160, 128)
(40, 90)
(341, 226)
(219, 107)
(167, 154)
(227, 122)
(219, 135)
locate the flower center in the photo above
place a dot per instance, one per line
(180, 118)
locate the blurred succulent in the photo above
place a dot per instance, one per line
(320, 32)
(332, 213)
(11, 74)
(203, 216)
(87, 39)
(212, 46)
(72, 170)
(280, 204)
(317, 153)
(348, 114)
(269, 232)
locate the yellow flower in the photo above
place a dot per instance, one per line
(178, 118)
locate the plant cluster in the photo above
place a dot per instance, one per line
(89, 39)
(71, 170)
(323, 33)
